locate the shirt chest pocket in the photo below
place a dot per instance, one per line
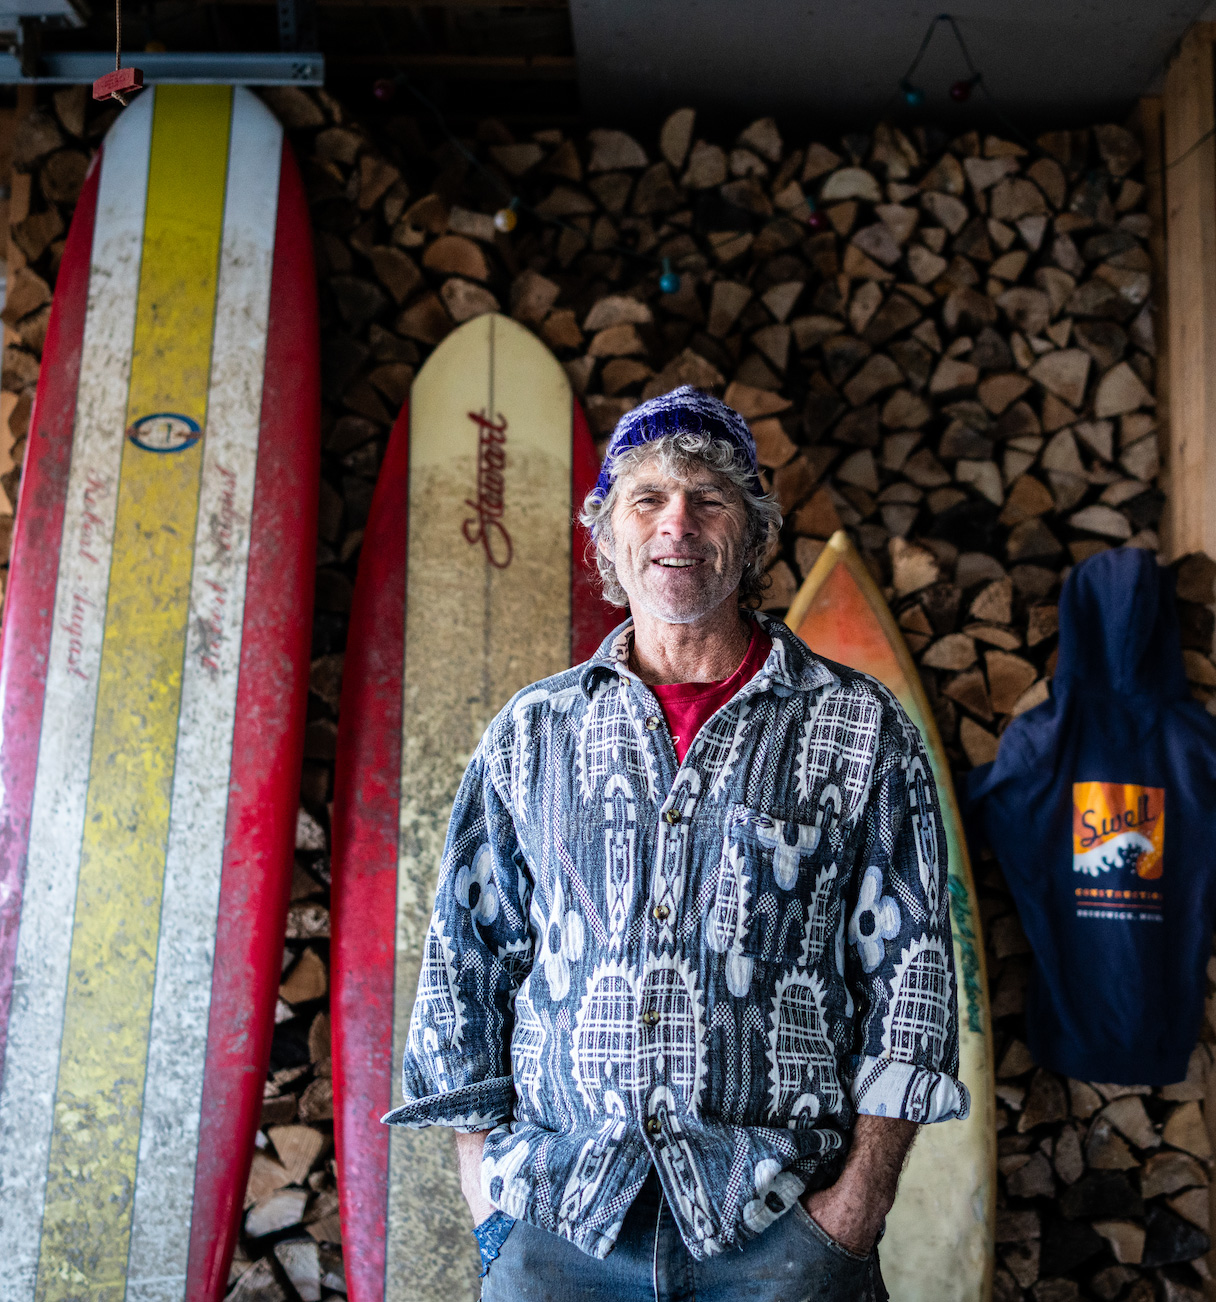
(764, 879)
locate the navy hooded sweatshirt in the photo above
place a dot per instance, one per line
(1101, 807)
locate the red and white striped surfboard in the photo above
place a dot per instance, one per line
(153, 673)
(474, 581)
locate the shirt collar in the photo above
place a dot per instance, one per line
(790, 667)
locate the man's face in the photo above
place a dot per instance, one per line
(677, 542)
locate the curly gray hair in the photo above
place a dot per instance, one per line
(682, 455)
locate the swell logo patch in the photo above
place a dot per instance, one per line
(1118, 839)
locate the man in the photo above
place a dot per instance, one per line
(694, 920)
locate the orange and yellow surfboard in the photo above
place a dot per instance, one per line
(939, 1241)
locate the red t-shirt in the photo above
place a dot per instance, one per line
(686, 706)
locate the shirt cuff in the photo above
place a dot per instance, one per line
(479, 1106)
(884, 1087)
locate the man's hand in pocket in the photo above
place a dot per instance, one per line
(852, 1210)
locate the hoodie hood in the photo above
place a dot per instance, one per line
(1119, 628)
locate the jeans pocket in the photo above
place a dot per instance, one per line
(491, 1234)
(812, 1226)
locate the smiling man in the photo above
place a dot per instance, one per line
(689, 987)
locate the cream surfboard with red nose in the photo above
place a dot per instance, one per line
(939, 1241)
(474, 581)
(153, 672)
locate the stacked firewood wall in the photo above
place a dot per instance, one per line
(945, 346)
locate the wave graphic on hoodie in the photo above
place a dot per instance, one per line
(1122, 851)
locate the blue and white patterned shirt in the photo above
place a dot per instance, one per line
(710, 968)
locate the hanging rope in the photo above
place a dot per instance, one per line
(122, 83)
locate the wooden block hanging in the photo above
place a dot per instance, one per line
(118, 84)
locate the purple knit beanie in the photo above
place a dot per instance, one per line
(682, 411)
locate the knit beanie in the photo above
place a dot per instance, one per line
(682, 411)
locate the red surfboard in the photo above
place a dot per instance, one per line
(473, 582)
(153, 673)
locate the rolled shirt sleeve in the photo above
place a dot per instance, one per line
(899, 965)
(457, 1066)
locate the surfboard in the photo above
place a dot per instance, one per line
(939, 1240)
(474, 581)
(153, 675)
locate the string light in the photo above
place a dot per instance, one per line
(506, 219)
(960, 91)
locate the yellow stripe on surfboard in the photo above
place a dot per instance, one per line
(103, 1060)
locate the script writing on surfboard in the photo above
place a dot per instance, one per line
(939, 1241)
(152, 678)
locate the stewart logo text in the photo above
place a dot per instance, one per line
(485, 525)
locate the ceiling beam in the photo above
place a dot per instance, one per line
(479, 67)
(417, 4)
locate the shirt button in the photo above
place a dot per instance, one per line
(672, 816)
(652, 723)
(651, 1017)
(662, 912)
(653, 1125)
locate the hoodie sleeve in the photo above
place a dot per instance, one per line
(899, 961)
(478, 950)
(994, 798)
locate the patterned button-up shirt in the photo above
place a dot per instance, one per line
(709, 968)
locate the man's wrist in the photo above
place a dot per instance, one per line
(469, 1146)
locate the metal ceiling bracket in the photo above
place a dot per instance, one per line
(78, 68)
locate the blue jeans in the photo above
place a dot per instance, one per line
(792, 1261)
